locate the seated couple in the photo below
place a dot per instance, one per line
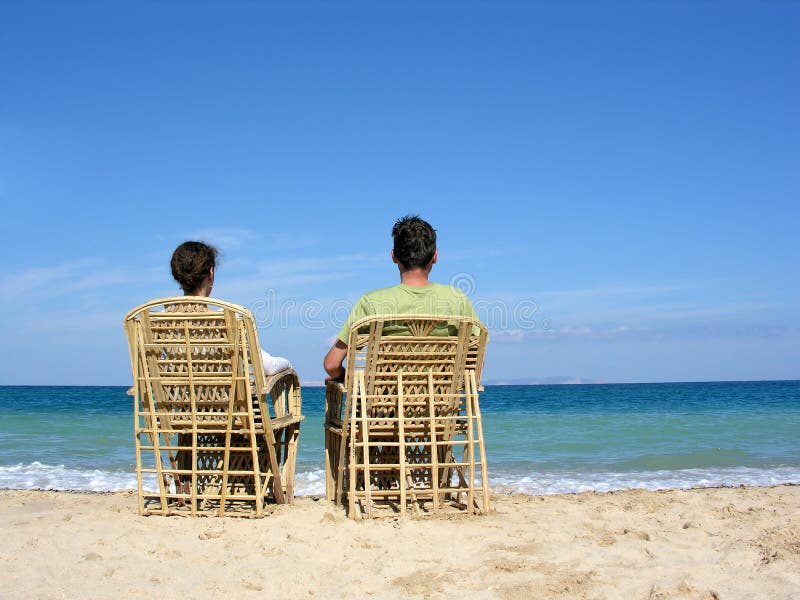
(414, 253)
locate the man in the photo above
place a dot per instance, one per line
(414, 254)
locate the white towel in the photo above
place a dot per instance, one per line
(274, 364)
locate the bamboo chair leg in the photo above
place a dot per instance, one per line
(415, 503)
(401, 449)
(333, 440)
(175, 460)
(481, 446)
(347, 456)
(434, 444)
(471, 452)
(277, 488)
(292, 434)
(366, 447)
(330, 467)
(351, 441)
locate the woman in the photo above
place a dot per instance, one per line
(193, 266)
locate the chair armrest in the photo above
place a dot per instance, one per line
(334, 386)
(284, 389)
(334, 392)
(270, 380)
(282, 422)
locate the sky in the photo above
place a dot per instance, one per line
(614, 184)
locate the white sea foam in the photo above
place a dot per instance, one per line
(37, 475)
(309, 483)
(573, 482)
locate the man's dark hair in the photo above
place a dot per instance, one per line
(414, 242)
(191, 263)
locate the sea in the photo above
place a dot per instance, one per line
(540, 439)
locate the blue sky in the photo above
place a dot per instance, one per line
(614, 184)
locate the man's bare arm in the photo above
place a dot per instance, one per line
(333, 361)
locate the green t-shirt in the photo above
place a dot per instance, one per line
(432, 299)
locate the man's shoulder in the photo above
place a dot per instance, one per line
(448, 290)
(381, 293)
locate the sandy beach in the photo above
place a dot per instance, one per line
(701, 543)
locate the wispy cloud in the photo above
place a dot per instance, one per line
(472, 254)
(19, 284)
(286, 272)
(613, 292)
(610, 302)
(224, 238)
(658, 333)
(510, 336)
(228, 239)
(66, 278)
(642, 314)
(76, 320)
(682, 310)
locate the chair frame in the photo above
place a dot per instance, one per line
(409, 401)
(220, 434)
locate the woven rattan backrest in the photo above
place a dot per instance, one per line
(193, 360)
(445, 346)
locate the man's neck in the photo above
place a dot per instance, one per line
(414, 277)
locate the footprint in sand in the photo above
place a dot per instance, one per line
(168, 554)
(508, 566)
(423, 582)
(256, 587)
(330, 518)
(210, 535)
(636, 533)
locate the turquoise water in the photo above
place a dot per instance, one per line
(540, 439)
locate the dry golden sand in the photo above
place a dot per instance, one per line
(705, 543)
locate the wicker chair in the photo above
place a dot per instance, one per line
(216, 434)
(405, 431)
